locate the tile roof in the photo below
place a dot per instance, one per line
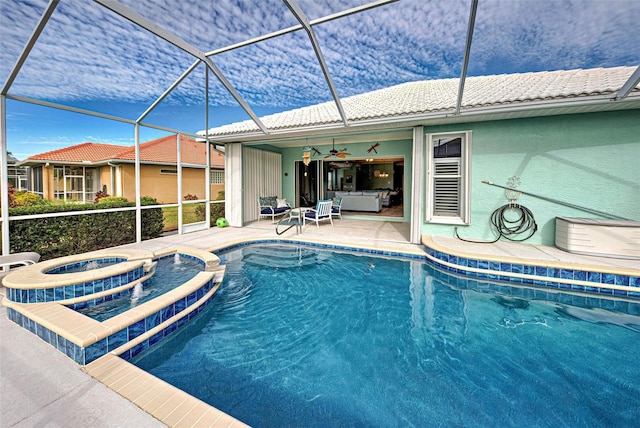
(161, 150)
(85, 152)
(432, 96)
(164, 150)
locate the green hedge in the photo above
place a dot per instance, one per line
(61, 236)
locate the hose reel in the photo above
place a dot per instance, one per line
(503, 221)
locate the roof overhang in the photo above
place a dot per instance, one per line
(541, 108)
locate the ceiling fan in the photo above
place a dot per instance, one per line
(338, 153)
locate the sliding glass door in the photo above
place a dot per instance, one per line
(308, 183)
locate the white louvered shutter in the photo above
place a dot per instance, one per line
(447, 181)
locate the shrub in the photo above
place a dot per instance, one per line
(152, 219)
(11, 191)
(28, 199)
(60, 236)
(190, 197)
(113, 202)
(100, 195)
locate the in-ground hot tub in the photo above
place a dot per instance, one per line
(40, 298)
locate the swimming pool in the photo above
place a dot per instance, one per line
(298, 336)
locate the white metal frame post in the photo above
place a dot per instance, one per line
(138, 205)
(207, 180)
(5, 180)
(179, 186)
(4, 198)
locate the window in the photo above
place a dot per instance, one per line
(217, 176)
(16, 175)
(75, 183)
(448, 160)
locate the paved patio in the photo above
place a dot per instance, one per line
(41, 387)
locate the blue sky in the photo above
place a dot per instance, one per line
(90, 58)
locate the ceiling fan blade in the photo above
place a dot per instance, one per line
(328, 156)
(343, 154)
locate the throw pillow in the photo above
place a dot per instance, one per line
(273, 201)
(281, 203)
(265, 202)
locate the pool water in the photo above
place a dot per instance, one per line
(354, 340)
(168, 275)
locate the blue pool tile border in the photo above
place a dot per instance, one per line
(53, 294)
(94, 351)
(544, 276)
(83, 263)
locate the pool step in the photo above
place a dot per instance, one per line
(283, 257)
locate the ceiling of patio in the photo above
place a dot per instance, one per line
(89, 57)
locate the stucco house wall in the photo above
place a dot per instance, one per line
(163, 186)
(590, 160)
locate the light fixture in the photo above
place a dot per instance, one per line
(306, 155)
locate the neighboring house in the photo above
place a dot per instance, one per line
(571, 136)
(78, 172)
(16, 175)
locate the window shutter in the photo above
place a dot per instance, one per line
(446, 189)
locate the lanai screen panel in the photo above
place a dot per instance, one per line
(90, 58)
(277, 72)
(214, 24)
(529, 36)
(397, 43)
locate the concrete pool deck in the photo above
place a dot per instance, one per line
(41, 387)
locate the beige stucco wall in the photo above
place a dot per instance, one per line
(153, 183)
(163, 187)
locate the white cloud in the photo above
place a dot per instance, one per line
(88, 53)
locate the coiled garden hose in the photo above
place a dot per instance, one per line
(505, 227)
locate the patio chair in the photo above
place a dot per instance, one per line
(270, 207)
(322, 212)
(17, 260)
(336, 207)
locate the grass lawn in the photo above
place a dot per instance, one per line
(170, 215)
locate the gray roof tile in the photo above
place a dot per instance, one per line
(431, 96)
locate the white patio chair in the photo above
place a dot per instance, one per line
(322, 212)
(12, 261)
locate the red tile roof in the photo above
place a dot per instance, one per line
(162, 150)
(85, 152)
